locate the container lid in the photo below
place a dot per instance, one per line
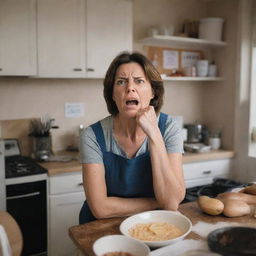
(212, 19)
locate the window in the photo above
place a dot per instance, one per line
(252, 124)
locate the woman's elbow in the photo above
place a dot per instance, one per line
(173, 203)
(171, 206)
(99, 211)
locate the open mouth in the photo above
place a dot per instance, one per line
(132, 102)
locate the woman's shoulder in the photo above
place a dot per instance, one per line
(106, 124)
(173, 120)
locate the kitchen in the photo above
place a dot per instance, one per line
(223, 103)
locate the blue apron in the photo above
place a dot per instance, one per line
(124, 177)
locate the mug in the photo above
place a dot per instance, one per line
(212, 72)
(202, 68)
(215, 143)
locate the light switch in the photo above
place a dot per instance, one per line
(75, 109)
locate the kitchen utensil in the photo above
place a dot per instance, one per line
(211, 29)
(197, 133)
(120, 243)
(233, 241)
(175, 218)
(212, 71)
(196, 147)
(215, 143)
(202, 68)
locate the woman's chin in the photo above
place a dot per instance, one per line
(129, 113)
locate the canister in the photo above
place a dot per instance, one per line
(211, 29)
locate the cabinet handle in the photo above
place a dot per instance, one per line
(77, 69)
(22, 196)
(207, 172)
(90, 69)
(80, 184)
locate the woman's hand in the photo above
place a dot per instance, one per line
(147, 120)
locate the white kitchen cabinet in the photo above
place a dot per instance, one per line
(61, 38)
(79, 38)
(109, 31)
(18, 38)
(66, 196)
(202, 173)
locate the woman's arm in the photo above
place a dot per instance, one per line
(103, 206)
(168, 180)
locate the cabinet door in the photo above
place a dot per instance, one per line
(61, 38)
(202, 173)
(63, 213)
(17, 37)
(109, 31)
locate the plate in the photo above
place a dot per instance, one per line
(233, 241)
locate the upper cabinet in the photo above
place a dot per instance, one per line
(109, 31)
(61, 38)
(79, 38)
(18, 38)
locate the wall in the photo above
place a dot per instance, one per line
(195, 101)
(219, 99)
(245, 165)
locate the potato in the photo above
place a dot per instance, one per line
(249, 190)
(210, 205)
(236, 208)
(249, 199)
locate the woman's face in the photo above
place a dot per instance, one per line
(132, 91)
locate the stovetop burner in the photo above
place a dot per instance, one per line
(218, 186)
(19, 166)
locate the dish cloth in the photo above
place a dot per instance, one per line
(178, 248)
(5, 249)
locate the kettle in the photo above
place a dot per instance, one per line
(197, 133)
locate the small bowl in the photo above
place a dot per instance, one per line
(119, 243)
(233, 241)
(172, 217)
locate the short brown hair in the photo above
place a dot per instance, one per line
(151, 74)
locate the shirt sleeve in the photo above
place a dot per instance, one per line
(173, 136)
(90, 151)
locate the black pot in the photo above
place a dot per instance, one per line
(233, 241)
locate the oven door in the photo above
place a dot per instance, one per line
(2, 177)
(26, 202)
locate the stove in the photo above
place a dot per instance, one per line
(26, 197)
(18, 168)
(219, 185)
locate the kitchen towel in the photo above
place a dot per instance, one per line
(5, 249)
(179, 248)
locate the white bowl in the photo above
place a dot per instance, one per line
(172, 217)
(120, 243)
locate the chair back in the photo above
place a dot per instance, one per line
(13, 232)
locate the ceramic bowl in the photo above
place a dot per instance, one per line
(173, 217)
(233, 241)
(119, 243)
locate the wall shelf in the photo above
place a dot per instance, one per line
(186, 78)
(166, 40)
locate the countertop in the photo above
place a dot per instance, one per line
(55, 168)
(84, 235)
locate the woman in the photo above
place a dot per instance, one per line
(132, 160)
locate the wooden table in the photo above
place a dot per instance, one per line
(84, 235)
